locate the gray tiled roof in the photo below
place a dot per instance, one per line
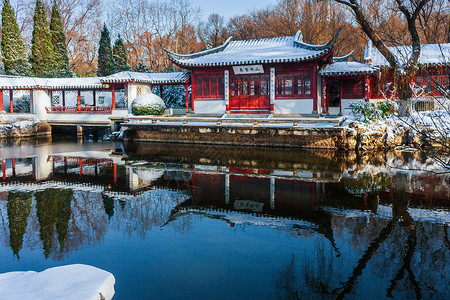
(19, 82)
(347, 68)
(270, 50)
(153, 78)
(430, 54)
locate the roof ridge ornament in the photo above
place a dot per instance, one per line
(343, 58)
(328, 45)
(177, 56)
(298, 36)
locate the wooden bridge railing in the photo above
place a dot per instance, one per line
(78, 109)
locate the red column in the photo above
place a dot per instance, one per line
(11, 106)
(4, 168)
(79, 99)
(94, 101)
(193, 90)
(187, 97)
(1, 100)
(64, 98)
(81, 166)
(14, 167)
(366, 88)
(324, 96)
(161, 91)
(341, 95)
(113, 91)
(314, 87)
(115, 173)
(31, 102)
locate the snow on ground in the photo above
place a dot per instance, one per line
(22, 126)
(77, 282)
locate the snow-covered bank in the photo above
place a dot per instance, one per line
(77, 282)
(420, 130)
(22, 129)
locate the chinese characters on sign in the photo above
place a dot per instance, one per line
(250, 69)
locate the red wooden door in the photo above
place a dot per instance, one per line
(249, 94)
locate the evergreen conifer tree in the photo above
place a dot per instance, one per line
(42, 53)
(15, 58)
(120, 56)
(62, 68)
(141, 67)
(105, 58)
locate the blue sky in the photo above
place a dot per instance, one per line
(230, 8)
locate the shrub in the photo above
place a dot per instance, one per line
(148, 104)
(369, 112)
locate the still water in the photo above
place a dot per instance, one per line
(191, 222)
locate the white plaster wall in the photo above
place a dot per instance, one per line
(107, 97)
(345, 104)
(43, 169)
(293, 106)
(9, 118)
(132, 91)
(86, 118)
(319, 95)
(41, 99)
(210, 107)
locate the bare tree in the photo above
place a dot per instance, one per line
(213, 33)
(404, 67)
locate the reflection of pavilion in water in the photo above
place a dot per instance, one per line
(112, 174)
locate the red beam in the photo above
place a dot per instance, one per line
(1, 100)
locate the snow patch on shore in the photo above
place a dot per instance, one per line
(66, 282)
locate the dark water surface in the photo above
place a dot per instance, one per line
(191, 222)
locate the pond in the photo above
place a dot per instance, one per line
(201, 222)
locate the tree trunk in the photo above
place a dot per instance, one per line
(404, 92)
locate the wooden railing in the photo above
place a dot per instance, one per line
(78, 109)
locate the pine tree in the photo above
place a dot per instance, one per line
(18, 208)
(141, 67)
(120, 56)
(42, 53)
(62, 68)
(15, 58)
(105, 58)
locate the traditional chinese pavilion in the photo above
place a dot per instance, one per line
(286, 76)
(275, 75)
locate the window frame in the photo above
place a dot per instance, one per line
(354, 94)
(219, 93)
(292, 74)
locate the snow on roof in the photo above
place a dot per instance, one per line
(269, 50)
(7, 82)
(20, 82)
(347, 68)
(430, 54)
(67, 83)
(154, 78)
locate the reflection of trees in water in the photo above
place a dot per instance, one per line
(53, 211)
(70, 220)
(149, 209)
(18, 207)
(400, 257)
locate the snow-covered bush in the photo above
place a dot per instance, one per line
(369, 112)
(148, 104)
